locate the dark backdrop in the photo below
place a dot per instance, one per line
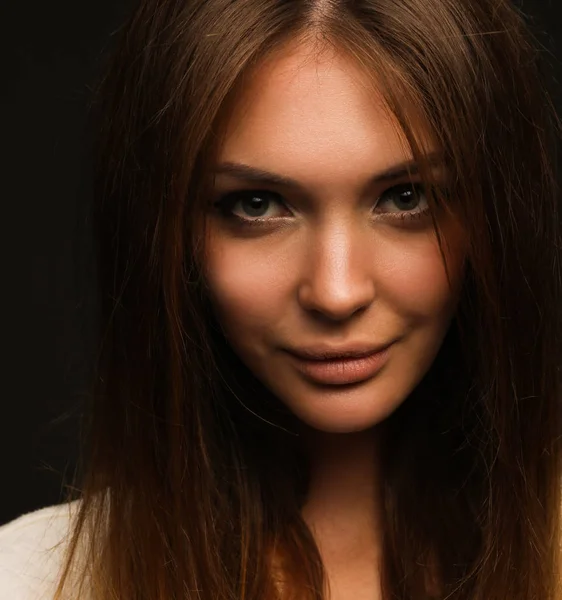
(52, 58)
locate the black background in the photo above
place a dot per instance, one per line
(51, 55)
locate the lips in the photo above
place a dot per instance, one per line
(342, 371)
(330, 353)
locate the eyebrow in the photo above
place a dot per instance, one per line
(253, 174)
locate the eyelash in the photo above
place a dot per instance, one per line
(226, 202)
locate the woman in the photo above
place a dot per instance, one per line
(330, 271)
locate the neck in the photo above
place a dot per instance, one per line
(342, 507)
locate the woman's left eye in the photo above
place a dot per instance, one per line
(404, 201)
(409, 201)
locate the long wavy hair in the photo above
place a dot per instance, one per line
(192, 474)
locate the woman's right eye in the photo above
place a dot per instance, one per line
(254, 203)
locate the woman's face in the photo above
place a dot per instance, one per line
(343, 254)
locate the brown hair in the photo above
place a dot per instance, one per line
(193, 479)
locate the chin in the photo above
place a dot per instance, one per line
(344, 415)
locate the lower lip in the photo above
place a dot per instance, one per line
(342, 371)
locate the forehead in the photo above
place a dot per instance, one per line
(301, 104)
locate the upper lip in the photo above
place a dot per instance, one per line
(327, 352)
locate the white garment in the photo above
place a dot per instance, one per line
(29, 560)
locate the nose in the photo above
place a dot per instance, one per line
(339, 276)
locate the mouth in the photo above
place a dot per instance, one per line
(330, 353)
(342, 370)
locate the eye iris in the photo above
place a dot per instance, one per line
(407, 199)
(255, 204)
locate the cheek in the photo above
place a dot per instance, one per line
(412, 278)
(248, 284)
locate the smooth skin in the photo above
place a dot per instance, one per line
(332, 263)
